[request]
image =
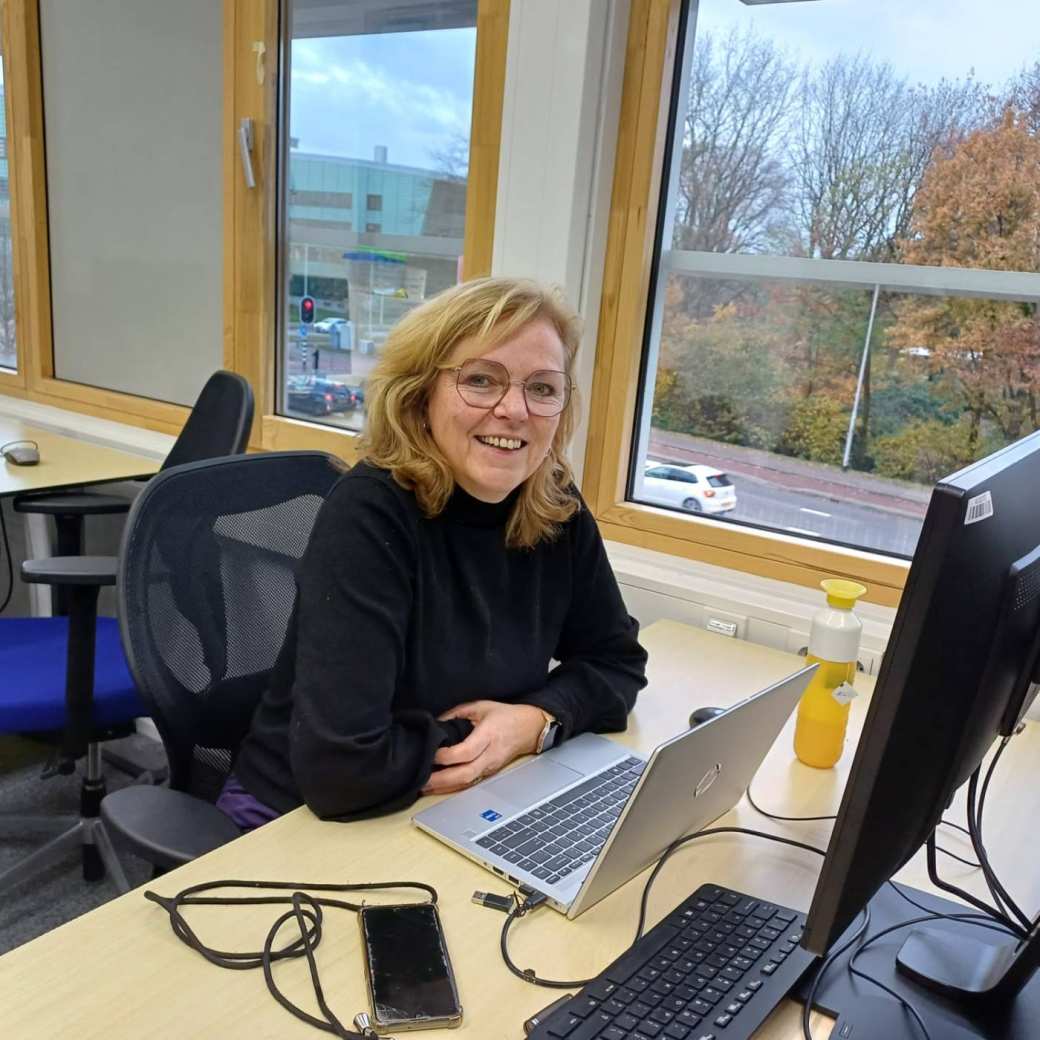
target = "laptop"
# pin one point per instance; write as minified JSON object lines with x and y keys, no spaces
{"x":579,"y":821}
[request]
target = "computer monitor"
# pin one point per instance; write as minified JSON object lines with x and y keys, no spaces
{"x":960,"y":670}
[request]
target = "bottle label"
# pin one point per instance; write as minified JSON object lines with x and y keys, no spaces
{"x":845,"y":693}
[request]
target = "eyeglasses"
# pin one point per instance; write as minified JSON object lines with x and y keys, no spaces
{"x":484,"y":384}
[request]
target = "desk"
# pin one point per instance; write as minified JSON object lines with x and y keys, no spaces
{"x":119,"y":972}
{"x":66,"y":462}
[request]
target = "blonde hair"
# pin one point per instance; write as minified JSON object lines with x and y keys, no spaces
{"x":396,"y":436}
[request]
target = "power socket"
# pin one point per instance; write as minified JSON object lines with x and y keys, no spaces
{"x":724,"y":623}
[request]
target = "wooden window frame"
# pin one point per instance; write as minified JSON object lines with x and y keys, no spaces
{"x":251,"y":46}
{"x":654,"y":32}
{"x":250,"y":214}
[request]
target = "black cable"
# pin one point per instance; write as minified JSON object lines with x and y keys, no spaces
{"x":991,"y":911}
{"x":810,"y":997}
{"x":999,"y":893}
{"x":811,"y":819}
{"x":7,"y":557}
{"x":306,"y":912}
{"x":528,"y":974}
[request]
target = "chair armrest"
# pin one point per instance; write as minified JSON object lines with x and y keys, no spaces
{"x":72,"y":503}
{"x":71,"y":570}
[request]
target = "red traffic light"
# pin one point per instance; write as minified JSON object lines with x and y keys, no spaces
{"x":307,"y":310}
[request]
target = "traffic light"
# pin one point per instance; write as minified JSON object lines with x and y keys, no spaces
{"x":307,"y":310}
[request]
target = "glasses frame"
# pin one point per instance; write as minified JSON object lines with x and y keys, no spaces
{"x":522,"y":383}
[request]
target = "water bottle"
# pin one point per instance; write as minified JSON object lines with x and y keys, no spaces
{"x":823,"y":712}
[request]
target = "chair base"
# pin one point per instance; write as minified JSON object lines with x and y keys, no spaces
{"x":99,"y":857}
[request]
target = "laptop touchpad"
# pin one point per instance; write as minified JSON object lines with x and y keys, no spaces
{"x":527,"y":785}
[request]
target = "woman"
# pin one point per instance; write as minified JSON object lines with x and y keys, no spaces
{"x":445,"y":572}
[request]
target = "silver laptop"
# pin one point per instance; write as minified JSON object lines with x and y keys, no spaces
{"x":580,"y":820}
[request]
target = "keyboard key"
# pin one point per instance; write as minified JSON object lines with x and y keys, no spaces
{"x":613,"y":1033}
{"x":745,"y":995}
{"x":565,"y":1026}
{"x":734,"y":1007}
{"x":723,"y":1020}
{"x":769,"y":967}
{"x":677,"y":1031}
{"x":755,"y":986}
{"x":649,"y":1028}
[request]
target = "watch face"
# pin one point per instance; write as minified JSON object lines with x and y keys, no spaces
{"x":550,"y":736}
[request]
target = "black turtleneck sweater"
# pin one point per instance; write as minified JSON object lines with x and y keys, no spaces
{"x":399,"y":618}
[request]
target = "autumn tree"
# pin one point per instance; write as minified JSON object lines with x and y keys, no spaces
{"x":980,"y":208}
{"x":862,"y":142}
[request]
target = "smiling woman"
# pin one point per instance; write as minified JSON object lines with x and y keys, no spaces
{"x":445,"y":573}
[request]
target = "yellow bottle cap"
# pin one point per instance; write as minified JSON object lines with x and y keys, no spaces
{"x":841,"y":593}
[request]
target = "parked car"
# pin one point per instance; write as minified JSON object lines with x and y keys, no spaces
{"x":343,"y":397}
{"x":328,"y":324}
{"x":304,"y":396}
{"x":697,"y":489}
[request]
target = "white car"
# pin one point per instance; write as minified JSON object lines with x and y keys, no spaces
{"x":328,"y":324}
{"x":697,"y":489}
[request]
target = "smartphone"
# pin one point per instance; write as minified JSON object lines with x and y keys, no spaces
{"x":410,"y":981}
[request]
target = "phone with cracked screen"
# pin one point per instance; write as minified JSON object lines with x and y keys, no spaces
{"x":410,"y":981}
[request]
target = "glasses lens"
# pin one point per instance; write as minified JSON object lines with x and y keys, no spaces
{"x":482,"y":383}
{"x":546,"y":392}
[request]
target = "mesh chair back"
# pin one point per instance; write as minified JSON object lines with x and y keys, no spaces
{"x":207,"y":583}
{"x":219,"y":422}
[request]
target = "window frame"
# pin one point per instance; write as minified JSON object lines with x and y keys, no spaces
{"x":279,"y":432}
{"x":651,"y":53}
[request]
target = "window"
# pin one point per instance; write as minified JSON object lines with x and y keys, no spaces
{"x":379,"y":101}
{"x":845,"y":278}
{"x":8,"y":344}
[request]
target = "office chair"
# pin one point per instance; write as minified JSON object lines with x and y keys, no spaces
{"x":218,"y":424}
{"x":206,"y":587}
{"x":67,"y":674}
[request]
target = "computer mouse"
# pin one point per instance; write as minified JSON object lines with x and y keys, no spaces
{"x":23,"y":453}
{"x":704,"y":715}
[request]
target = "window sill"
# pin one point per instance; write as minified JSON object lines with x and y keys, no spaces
{"x":764,"y":610}
{"x":88,"y":428}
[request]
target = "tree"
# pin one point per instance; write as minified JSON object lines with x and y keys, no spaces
{"x":1024,"y":97}
{"x":863,"y":141}
{"x":731,"y":178}
{"x":980,"y":208}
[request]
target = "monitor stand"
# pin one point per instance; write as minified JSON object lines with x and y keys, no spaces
{"x":865,"y":1012}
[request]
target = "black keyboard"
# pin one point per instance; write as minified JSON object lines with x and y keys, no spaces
{"x":713,"y":969}
{"x":567,"y":831}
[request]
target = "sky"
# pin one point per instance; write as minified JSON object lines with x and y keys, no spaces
{"x":925,"y":40}
{"x":412,"y":92}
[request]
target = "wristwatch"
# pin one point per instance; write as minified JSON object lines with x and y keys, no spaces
{"x":550,"y":735}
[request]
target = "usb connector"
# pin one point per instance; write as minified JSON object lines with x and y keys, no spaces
{"x":495,"y":902}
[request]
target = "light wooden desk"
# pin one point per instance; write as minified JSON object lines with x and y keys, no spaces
{"x":119,"y":972}
{"x":65,"y":462}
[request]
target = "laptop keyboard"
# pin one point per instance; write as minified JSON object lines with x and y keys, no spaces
{"x":564,"y":832}
{"x":713,"y":969}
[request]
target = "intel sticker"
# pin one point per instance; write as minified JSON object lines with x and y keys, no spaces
{"x":490,"y":815}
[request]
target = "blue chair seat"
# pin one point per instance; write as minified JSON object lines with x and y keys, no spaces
{"x":32,"y":675}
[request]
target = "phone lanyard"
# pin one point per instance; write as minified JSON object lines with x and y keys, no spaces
{"x":306,"y":911}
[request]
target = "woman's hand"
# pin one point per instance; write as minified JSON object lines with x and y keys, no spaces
{"x":501,"y":732}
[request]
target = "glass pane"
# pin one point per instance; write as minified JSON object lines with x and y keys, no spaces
{"x":380,"y":99}
{"x":816,"y":396}
{"x":8,"y":352}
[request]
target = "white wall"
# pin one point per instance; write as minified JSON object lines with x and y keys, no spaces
{"x":564,"y":74}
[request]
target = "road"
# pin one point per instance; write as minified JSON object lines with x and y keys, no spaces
{"x":802,"y":513}
{"x":784,"y":494}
